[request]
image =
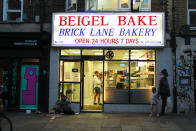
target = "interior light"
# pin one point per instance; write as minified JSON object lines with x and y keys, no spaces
{"x":98,"y":53}
{"x":76,"y":52}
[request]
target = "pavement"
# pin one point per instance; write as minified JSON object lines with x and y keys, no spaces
{"x":102,"y":122}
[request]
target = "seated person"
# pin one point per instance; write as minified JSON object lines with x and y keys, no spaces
{"x":63,"y":106}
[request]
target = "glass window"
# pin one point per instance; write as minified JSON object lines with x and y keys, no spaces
{"x":71,"y":90}
{"x":116,"y":79}
{"x":70,"y":71}
{"x":124,"y":4}
{"x":92,"y":52}
{"x":13,"y":10}
{"x":192,"y":18}
{"x":14,"y":4}
{"x":116,"y":54}
{"x":142,"y":55}
{"x":142,"y":5}
{"x":107,"y":4}
{"x":142,"y":80}
{"x":70,"y":52}
{"x":191,"y":12}
{"x":192,"y":4}
{"x":71,"y":5}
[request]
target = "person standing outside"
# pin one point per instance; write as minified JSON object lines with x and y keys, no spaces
{"x":97,"y":86}
{"x":164,"y":91}
{"x":154,"y":102}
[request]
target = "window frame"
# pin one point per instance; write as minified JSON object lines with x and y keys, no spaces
{"x":67,"y":6}
{"x":188,"y":16}
{"x":6,"y":11}
{"x":88,"y":7}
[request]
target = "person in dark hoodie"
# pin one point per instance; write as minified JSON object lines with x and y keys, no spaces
{"x":164,"y":91}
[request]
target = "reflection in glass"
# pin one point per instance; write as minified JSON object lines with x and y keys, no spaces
{"x":71,"y":90}
{"x":70,"y":52}
{"x":116,"y":79}
{"x":142,"y":54}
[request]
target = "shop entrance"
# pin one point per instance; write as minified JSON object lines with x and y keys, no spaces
{"x":93,"y":85}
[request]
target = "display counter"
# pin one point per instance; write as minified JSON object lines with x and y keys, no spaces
{"x":117,"y":95}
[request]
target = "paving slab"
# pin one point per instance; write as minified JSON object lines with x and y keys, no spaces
{"x":103,"y":122}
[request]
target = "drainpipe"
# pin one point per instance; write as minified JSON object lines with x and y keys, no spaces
{"x":42,"y":14}
{"x":173,"y":35}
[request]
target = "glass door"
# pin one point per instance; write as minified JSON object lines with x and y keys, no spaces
{"x":93,"y":85}
{"x":70,"y":80}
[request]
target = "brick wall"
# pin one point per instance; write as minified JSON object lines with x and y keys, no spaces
{"x":181,"y":16}
{"x":58,"y":5}
{"x":156,"y":6}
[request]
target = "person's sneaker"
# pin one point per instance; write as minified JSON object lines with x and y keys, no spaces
{"x":95,"y":103}
{"x":158,"y":115}
{"x":150,"y":115}
{"x":100,"y":104}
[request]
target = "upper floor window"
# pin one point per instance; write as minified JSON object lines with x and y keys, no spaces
{"x":71,"y":5}
{"x":142,"y":5}
{"x":13,"y":10}
{"x":107,"y":5}
{"x":118,"y":5}
{"x":191,"y":13}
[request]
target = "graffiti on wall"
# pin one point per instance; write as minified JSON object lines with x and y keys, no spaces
{"x":185,"y":89}
{"x":29,"y":87}
{"x":29,"y":94}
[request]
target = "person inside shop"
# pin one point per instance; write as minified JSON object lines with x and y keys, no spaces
{"x":164,"y":91}
{"x":97,"y":87}
{"x":120,"y":80}
{"x":154,"y":102}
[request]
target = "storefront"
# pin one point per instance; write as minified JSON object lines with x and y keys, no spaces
{"x":125,"y":49}
{"x":24,"y":70}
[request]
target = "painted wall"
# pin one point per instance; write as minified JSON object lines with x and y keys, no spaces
{"x":54,"y":75}
{"x":165,"y":60}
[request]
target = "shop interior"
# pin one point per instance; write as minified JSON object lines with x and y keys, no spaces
{"x":128,"y":77}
